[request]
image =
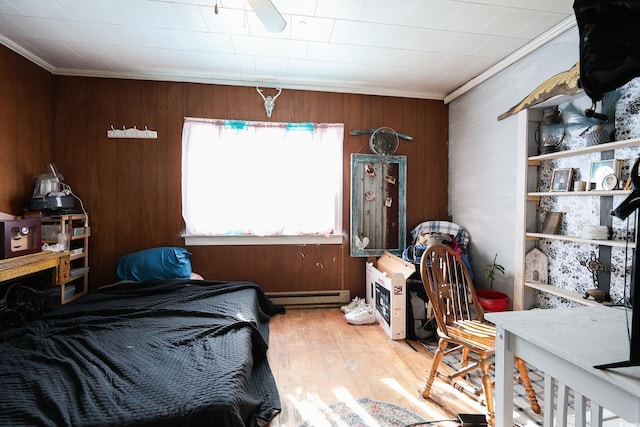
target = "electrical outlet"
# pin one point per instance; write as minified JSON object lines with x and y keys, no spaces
{"x":472,"y":420}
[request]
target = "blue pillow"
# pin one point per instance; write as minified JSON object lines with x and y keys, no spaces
{"x":155,"y":264}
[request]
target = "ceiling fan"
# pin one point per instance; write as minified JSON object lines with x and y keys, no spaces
{"x":269,"y":15}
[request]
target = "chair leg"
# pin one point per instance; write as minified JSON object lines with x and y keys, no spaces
{"x":437,"y":357}
{"x":524,"y":374}
{"x":487,"y":386}
{"x":465,"y":357}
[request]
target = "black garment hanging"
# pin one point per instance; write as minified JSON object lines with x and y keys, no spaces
{"x":609,"y":44}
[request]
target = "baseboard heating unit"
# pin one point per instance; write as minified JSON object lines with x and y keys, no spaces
{"x":311,"y":299}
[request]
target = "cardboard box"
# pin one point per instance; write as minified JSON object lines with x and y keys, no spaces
{"x":387,"y":291}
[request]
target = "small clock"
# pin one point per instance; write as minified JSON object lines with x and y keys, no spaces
{"x":609,"y":182}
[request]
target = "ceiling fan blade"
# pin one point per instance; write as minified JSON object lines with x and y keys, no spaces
{"x":269,"y":15}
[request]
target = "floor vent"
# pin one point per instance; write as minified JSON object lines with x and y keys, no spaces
{"x":310,"y":299}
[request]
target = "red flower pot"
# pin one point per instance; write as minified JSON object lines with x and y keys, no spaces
{"x":492,"y":300}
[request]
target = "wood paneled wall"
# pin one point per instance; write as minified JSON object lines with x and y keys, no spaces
{"x":25,"y":128}
{"x":131,"y":187}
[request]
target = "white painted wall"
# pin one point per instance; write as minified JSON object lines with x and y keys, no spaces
{"x":482,"y":155}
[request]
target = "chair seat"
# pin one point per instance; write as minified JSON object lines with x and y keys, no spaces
{"x":472,"y":333}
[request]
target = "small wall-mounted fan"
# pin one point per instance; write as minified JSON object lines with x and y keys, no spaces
{"x":384,"y":141}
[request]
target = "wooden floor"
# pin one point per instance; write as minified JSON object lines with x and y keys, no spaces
{"x":318,"y":359}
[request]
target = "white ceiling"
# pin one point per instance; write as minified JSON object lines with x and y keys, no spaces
{"x":415,"y":48}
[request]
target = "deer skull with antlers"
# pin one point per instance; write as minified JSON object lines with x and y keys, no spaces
{"x":269,"y":101}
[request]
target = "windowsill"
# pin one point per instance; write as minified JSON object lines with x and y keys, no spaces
{"x":191,"y":240}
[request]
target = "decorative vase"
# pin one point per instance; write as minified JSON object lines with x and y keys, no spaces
{"x":492,"y":300}
{"x":597,"y":135}
{"x":550,"y":132}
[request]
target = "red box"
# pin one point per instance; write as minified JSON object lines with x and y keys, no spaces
{"x":20,"y":237}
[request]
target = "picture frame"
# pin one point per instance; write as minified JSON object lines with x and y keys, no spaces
{"x":601,"y":169}
{"x":551,"y":224}
{"x":561,"y":179}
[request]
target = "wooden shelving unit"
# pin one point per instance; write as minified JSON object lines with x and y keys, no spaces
{"x":529,"y":197}
{"x":75,"y":228}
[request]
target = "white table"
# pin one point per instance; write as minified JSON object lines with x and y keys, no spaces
{"x":565,"y":344}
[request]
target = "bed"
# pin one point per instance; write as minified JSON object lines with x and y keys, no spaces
{"x":158,"y":353}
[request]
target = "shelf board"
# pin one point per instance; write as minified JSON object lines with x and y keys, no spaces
{"x":594,"y":193}
{"x":77,"y":295}
{"x":585,"y":150}
{"x":611,"y":243}
{"x":77,"y":256}
{"x":564,"y":293}
{"x":75,"y":273}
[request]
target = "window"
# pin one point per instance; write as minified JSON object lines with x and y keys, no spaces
{"x":264,"y":179}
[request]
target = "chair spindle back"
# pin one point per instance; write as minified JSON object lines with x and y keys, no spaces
{"x":449,"y":286}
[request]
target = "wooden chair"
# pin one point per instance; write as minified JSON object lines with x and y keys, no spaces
{"x":460,"y":320}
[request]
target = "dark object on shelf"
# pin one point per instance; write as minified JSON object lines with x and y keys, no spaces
{"x":52,"y":203}
{"x":597,"y":294}
{"x":609,"y":44}
{"x":591,"y":113}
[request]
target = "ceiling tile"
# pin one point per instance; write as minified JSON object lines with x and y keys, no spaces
{"x":51,"y":29}
{"x":310,"y":28}
{"x":498,"y":47}
{"x":89,"y":11}
{"x":39,"y":8}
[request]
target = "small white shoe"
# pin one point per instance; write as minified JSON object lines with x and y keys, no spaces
{"x":362,"y":315}
{"x":355,"y":303}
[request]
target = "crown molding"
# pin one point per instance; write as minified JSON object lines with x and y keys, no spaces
{"x":302,"y":84}
{"x":28,"y":55}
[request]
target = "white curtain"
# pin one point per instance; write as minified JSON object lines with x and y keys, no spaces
{"x":261,"y":178}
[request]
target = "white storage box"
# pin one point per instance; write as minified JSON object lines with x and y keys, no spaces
{"x":387,"y":291}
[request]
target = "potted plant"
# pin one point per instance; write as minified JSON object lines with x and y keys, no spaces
{"x":489,"y":299}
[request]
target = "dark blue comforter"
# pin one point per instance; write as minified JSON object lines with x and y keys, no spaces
{"x":167,"y":353}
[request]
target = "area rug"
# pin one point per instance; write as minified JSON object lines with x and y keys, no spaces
{"x":367,"y":413}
